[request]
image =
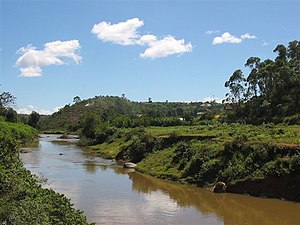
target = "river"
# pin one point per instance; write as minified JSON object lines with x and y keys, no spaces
{"x":109,"y":194}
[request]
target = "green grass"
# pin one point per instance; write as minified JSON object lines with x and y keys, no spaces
{"x":109,"y":150}
{"x":159,"y":164}
{"x":19,"y":131}
{"x":225,"y":133}
{"x":217,"y":135}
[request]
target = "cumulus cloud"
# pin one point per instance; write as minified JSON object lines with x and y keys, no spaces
{"x":31,"y":60}
{"x":229,"y":38}
{"x":165,"y":47}
{"x":226,"y":38}
{"x":126,"y":33}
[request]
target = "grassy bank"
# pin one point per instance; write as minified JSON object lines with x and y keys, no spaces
{"x":19,"y":131}
{"x":239,"y":155}
{"x":23,"y":200}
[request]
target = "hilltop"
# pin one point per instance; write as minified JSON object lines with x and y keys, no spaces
{"x":122,"y":112}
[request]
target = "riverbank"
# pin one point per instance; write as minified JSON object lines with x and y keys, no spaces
{"x":257,"y":160}
{"x":101,"y":187}
{"x":22,"y":198}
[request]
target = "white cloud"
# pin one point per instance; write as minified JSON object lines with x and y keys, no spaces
{"x":32,"y":71}
{"x":165,"y":47}
{"x":124,"y":33}
{"x":147,"y":39}
{"x":54,"y":53}
{"x":27,"y":110}
{"x":229,"y":38}
{"x":247,"y":36}
{"x":212,"y":32}
{"x":226,"y":38}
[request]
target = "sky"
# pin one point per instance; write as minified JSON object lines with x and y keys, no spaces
{"x":180,"y":50}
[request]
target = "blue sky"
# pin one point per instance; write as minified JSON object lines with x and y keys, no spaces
{"x":180,"y":50}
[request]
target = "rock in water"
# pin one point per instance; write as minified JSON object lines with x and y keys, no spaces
{"x":129,"y":165}
{"x":220,"y":187}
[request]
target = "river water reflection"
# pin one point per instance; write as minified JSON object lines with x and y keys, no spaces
{"x":109,"y":194}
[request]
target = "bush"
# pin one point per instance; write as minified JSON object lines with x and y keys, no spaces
{"x":183,"y":154}
{"x":141,"y":145}
{"x":103,"y":132}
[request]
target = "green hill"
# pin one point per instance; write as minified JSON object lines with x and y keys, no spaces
{"x":122,"y":112}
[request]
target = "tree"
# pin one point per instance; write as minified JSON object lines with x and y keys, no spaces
{"x":88,"y":123}
{"x":11,"y":115}
{"x":6,"y":99}
{"x":253,"y":78}
{"x":236,"y":85}
{"x":273,"y":87}
{"x":76,"y":99}
{"x":33,"y":119}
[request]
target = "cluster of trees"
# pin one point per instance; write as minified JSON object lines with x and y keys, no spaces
{"x":93,"y":130}
{"x":271,"y":91}
{"x":7,"y":100}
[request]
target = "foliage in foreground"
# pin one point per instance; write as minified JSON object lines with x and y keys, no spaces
{"x":23,"y":200}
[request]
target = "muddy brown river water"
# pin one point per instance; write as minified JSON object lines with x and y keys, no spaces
{"x":109,"y":194}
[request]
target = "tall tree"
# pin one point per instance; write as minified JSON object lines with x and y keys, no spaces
{"x":273,"y":86}
{"x":236,"y":84}
{"x":33,"y":119}
{"x":253,"y":78}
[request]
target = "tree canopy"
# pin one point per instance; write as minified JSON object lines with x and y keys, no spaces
{"x":6,"y":99}
{"x":271,"y":91}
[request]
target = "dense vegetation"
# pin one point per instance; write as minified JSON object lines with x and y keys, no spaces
{"x":271,"y":91}
{"x":204,"y":154}
{"x":121,"y":112}
{"x":202,"y":149}
{"x":23,"y":200}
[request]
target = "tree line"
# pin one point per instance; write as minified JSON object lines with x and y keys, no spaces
{"x":271,"y":90}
